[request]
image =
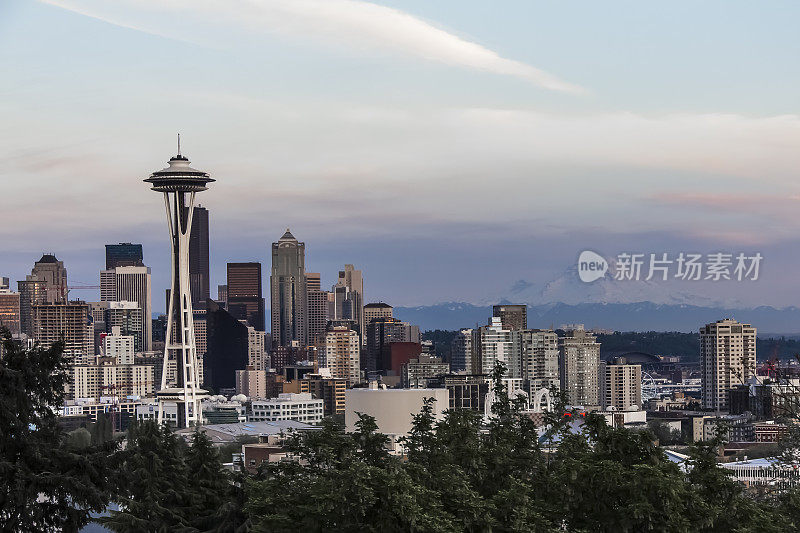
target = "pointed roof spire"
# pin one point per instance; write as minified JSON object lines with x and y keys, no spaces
{"x":288,"y":236}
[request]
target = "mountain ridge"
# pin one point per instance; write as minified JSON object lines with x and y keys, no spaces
{"x":635,"y":316}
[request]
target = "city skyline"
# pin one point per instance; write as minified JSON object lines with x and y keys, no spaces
{"x":628,"y":131}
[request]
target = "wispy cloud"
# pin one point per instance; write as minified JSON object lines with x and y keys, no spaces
{"x":361,"y":25}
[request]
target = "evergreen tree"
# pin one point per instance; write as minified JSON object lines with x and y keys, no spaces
{"x":48,"y":482}
{"x":208,"y":484}
{"x":155,"y":494}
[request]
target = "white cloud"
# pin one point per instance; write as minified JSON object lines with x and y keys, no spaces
{"x":358,"y":24}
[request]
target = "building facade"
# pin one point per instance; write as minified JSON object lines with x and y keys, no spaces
{"x":462,"y":352}
{"x":318,"y":307}
{"x":288,"y":292}
{"x":301,"y":407}
{"x":579,"y":365}
{"x":341,"y":347}
{"x":10,"y":311}
{"x":620,"y":385}
{"x":495,"y":344}
{"x":512,"y":316}
{"x":727,"y":359}
{"x":348,"y":297}
{"x":244,"y":298}
{"x":123,"y":254}
{"x":67,"y":321}
{"x":47,"y":283}
{"x":538,"y":358}
{"x":377,"y":310}
{"x":131,"y":284}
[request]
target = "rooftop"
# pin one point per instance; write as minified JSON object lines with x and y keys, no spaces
{"x":229,"y":432}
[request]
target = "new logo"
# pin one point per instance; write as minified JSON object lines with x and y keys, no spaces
{"x":591,"y":266}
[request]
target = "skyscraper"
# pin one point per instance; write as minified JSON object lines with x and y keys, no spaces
{"x":538,"y":357}
{"x":179,"y":183}
{"x":123,"y":254}
{"x":512,"y":316}
{"x":727,"y":359}
{"x":132,"y":284}
{"x":620,"y":384}
{"x":341,"y":347}
{"x":317,"y":307}
{"x":579,"y":361}
{"x":199,"y":259}
{"x":245,"y":301}
{"x":495,"y":345}
{"x":349,"y":297}
{"x":47,"y":283}
{"x":288,"y":293}
{"x":227,"y":348}
{"x":129,"y":318}
{"x":461,"y":352}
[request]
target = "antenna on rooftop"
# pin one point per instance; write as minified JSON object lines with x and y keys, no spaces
{"x":179,"y":144}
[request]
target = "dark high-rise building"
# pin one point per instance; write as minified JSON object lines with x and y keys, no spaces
{"x":381,"y":332}
{"x":199,"y":259}
{"x":124,"y":254}
{"x":244,"y":293}
{"x":513,"y":317}
{"x":288,"y":291}
{"x":226,"y":350}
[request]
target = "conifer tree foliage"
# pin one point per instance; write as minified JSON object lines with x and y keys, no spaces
{"x":48,"y":481}
{"x":168,"y":486}
{"x":463,"y":475}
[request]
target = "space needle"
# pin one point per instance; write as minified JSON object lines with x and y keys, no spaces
{"x":179,"y":182}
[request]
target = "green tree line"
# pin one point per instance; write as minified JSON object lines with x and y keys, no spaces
{"x":458,"y":474}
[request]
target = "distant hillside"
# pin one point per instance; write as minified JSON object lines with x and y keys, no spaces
{"x":685,"y":345}
{"x":643,"y":316}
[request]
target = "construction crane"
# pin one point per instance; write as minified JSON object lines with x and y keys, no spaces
{"x":81,"y":288}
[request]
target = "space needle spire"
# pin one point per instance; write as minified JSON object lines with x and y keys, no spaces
{"x":179,"y":183}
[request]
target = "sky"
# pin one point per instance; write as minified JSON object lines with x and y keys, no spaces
{"x":452,"y":150}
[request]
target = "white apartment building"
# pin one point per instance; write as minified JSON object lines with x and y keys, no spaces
{"x":539,"y":358}
{"x":120,"y":347}
{"x":300,"y":407}
{"x":727,"y":359}
{"x":257,"y":355}
{"x":495,"y":345}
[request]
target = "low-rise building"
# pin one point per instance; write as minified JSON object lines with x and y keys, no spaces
{"x":417,"y":373}
{"x":300,"y":407}
{"x":120,"y":410}
{"x":770,"y":473}
{"x":769,"y":431}
{"x":392,"y":408}
{"x":466,"y":391}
